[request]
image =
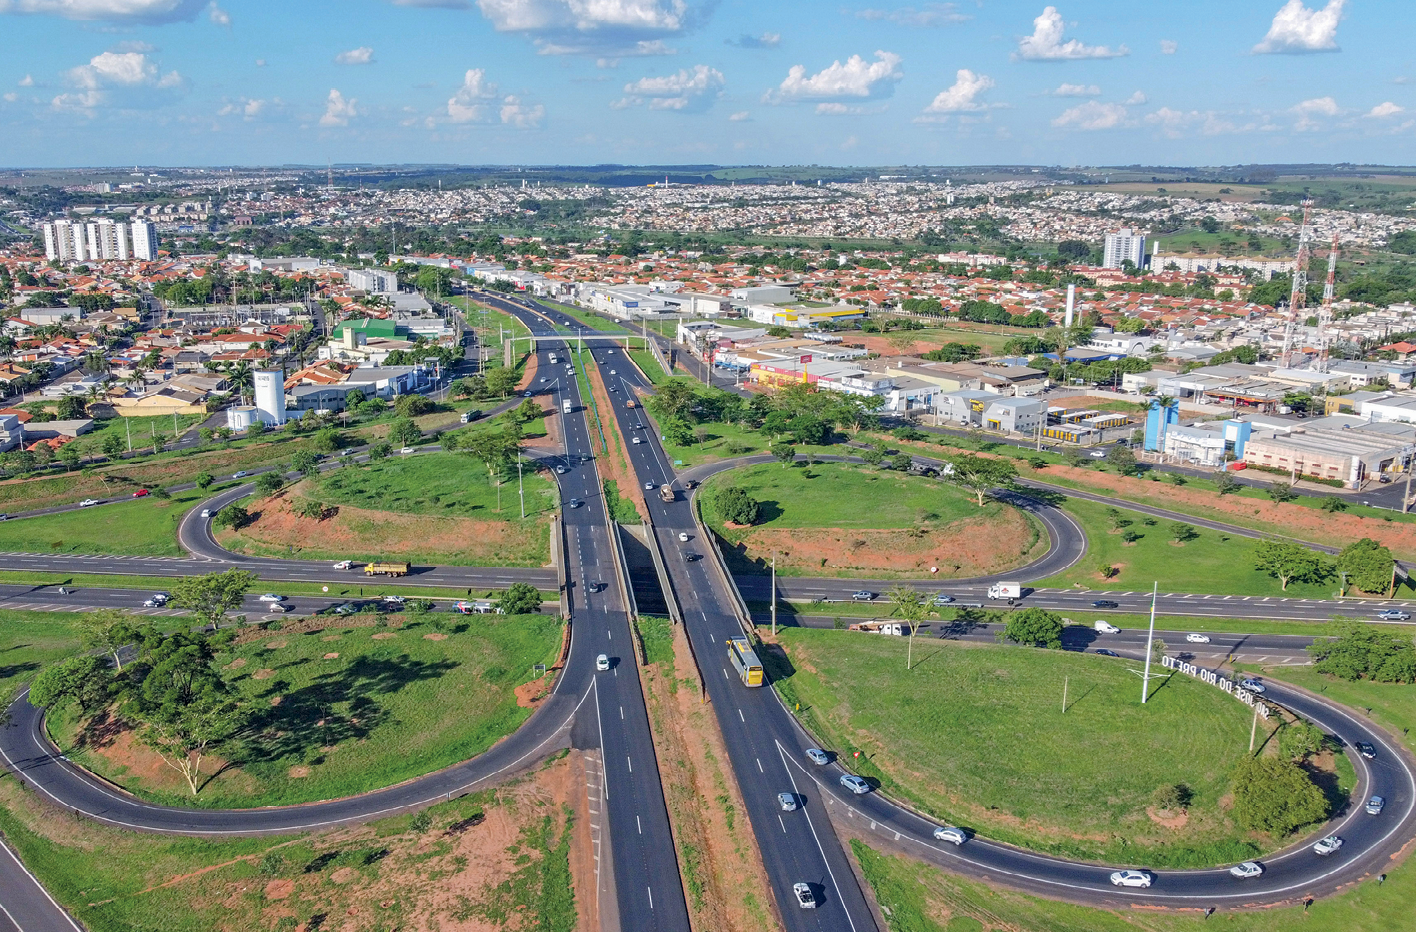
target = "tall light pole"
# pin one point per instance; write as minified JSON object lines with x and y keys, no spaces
{"x":520,"y":485}
{"x":773,"y":594}
{"x":1150,"y":639}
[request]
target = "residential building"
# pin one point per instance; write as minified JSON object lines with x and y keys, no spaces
{"x":375,"y":281}
{"x":107,"y":241}
{"x":1122,"y":245}
{"x":144,"y":241}
{"x":64,"y":241}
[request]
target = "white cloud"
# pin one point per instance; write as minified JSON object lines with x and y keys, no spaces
{"x":857,"y":79}
{"x":1045,"y":43}
{"x":338,"y":110}
{"x":469,"y":104}
{"x":522,"y":116}
{"x":363,"y":55}
{"x":1178,"y":124}
{"x":217,"y":15}
{"x":931,"y":14}
{"x":740,"y":117}
{"x":1297,"y":29}
{"x":1168,"y":46}
{"x":562,"y":27}
{"x":11,"y":97}
{"x":245,"y":107}
{"x":1321,"y":106}
{"x":1135,"y":99}
{"x":119,"y":11}
{"x":1077,"y":90}
{"x":691,"y":89}
{"x":836,"y":109}
{"x":123,"y":80}
{"x":1092,"y":115}
{"x":27,"y":81}
{"x":1385,"y":110}
{"x":959,"y":97}
{"x":768,"y":40}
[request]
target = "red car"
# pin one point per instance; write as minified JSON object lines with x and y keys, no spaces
{"x":140,"y":493}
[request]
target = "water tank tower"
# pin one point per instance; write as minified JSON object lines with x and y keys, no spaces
{"x":270,"y":395}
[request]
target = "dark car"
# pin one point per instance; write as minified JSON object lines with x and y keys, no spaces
{"x":1106,"y":653}
{"x":1366,"y":750}
{"x":1105,"y":603}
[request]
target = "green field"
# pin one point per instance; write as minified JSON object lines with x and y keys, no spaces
{"x":29,"y":641}
{"x":976,"y":735}
{"x":1213,"y":563}
{"x":395,"y":870}
{"x":142,"y":527}
{"x":922,"y":898}
{"x":648,"y":364}
{"x":447,"y":484}
{"x":340,"y":583}
{"x":385,"y":709}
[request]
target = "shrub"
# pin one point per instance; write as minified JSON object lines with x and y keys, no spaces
{"x":736,"y":506}
{"x":1275,"y":796}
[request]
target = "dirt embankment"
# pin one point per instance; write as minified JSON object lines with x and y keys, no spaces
{"x":971,"y":547}
{"x":616,"y":465}
{"x":358,"y":533}
{"x":725,"y":882}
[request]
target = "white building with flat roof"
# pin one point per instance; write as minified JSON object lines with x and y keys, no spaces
{"x":1122,"y":245}
{"x":144,"y":241}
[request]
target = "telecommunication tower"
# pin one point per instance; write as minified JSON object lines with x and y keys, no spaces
{"x":1298,"y":296}
{"x":1325,"y":313}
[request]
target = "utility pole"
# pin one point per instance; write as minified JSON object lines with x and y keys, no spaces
{"x":520,"y":486}
{"x":1254,"y":728}
{"x":1150,"y":639}
{"x":128,"y":425}
{"x":1406,"y":495}
{"x":773,"y":594}
{"x":1064,"y":693}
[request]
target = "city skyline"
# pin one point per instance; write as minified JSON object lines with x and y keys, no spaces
{"x":171,"y":82}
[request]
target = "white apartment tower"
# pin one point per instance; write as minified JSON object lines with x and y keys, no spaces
{"x":144,"y":241}
{"x":107,"y":241}
{"x":1122,"y":245}
{"x":64,"y":241}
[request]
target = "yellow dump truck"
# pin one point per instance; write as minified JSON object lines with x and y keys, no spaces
{"x":386,"y":569}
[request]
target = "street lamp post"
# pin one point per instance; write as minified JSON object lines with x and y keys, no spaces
{"x":520,"y":485}
{"x":1150,"y":640}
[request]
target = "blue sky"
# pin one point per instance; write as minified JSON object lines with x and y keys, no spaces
{"x":113,"y":82}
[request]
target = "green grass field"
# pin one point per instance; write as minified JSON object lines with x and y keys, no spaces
{"x":340,"y":583}
{"x":649,"y":364}
{"x":1212,"y":563}
{"x":384,"y":709}
{"x":29,"y":641}
{"x":922,"y":898}
{"x":141,"y":527}
{"x":446,"y":484}
{"x":394,"y":870}
{"x":977,"y":735}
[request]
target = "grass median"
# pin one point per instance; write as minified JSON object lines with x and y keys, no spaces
{"x":978,"y":735}
{"x":340,"y":706}
{"x":140,"y":527}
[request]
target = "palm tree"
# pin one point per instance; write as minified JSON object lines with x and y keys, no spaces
{"x":241,"y":377}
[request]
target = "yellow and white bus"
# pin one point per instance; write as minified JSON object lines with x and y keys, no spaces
{"x":745,"y":661}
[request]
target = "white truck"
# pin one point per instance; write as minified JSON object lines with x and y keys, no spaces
{"x":565,"y":406}
{"x":1006,"y":590}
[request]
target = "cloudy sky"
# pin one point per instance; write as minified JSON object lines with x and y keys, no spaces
{"x":112,"y":82}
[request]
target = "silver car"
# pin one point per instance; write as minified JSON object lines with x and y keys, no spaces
{"x":1375,"y":805}
{"x":818,"y":757}
{"x":1246,"y":870}
{"x":787,"y":801}
{"x":855,"y":784}
{"x":955,"y":836}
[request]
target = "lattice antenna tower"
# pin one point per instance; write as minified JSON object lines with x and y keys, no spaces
{"x":1325,"y":313}
{"x":1298,"y":296}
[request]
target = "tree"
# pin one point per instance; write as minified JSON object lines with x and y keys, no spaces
{"x":1182,"y":533}
{"x":233,"y":516}
{"x":108,"y":630}
{"x":1123,"y":459}
{"x":70,"y":407}
{"x":1034,"y":626}
{"x":305,"y":463}
{"x":210,"y":597}
{"x":980,"y":475}
{"x":1367,"y":565}
{"x":204,"y":480}
{"x":674,"y":398}
{"x":1361,"y":651}
{"x":902,"y":461}
{"x":328,"y":440}
{"x":183,"y":734}
{"x":412,"y":405}
{"x":1281,"y":492}
{"x":1332,"y":503}
{"x":501,"y":381}
{"x":1289,"y":562}
{"x":404,"y":433}
{"x":82,"y":680}
{"x":785,"y":454}
{"x":268,"y":483}
{"x":520,"y":599}
{"x":529,"y":411}
{"x":1225,"y":483}
{"x":735,"y":506}
{"x":1275,"y":796}
{"x":380,"y":451}
{"x":806,"y":428}
{"x":70,"y":454}
{"x":677,"y":431}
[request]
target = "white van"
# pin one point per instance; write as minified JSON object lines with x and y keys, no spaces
{"x":1105,"y":627}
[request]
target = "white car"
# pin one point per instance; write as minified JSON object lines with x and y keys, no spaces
{"x":394,"y":599}
{"x":787,"y":801}
{"x":1131,"y":879}
{"x":406,"y":450}
{"x":1327,"y":845}
{"x":648,"y":486}
{"x":271,"y":597}
{"x":855,"y":784}
{"x":1197,"y":638}
{"x":636,"y":440}
{"x":818,"y":757}
{"x":612,"y":372}
{"x":158,"y":600}
{"x":1375,"y":805}
{"x":87,"y":502}
{"x":240,"y":474}
{"x":344,"y":565}
{"x":804,"y":897}
{"x":1252,"y":685}
{"x":683,"y":535}
{"x":602,"y":662}
{"x":206,"y":512}
{"x":955,"y":836}
{"x":1097,"y":454}
{"x":1246,"y":870}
